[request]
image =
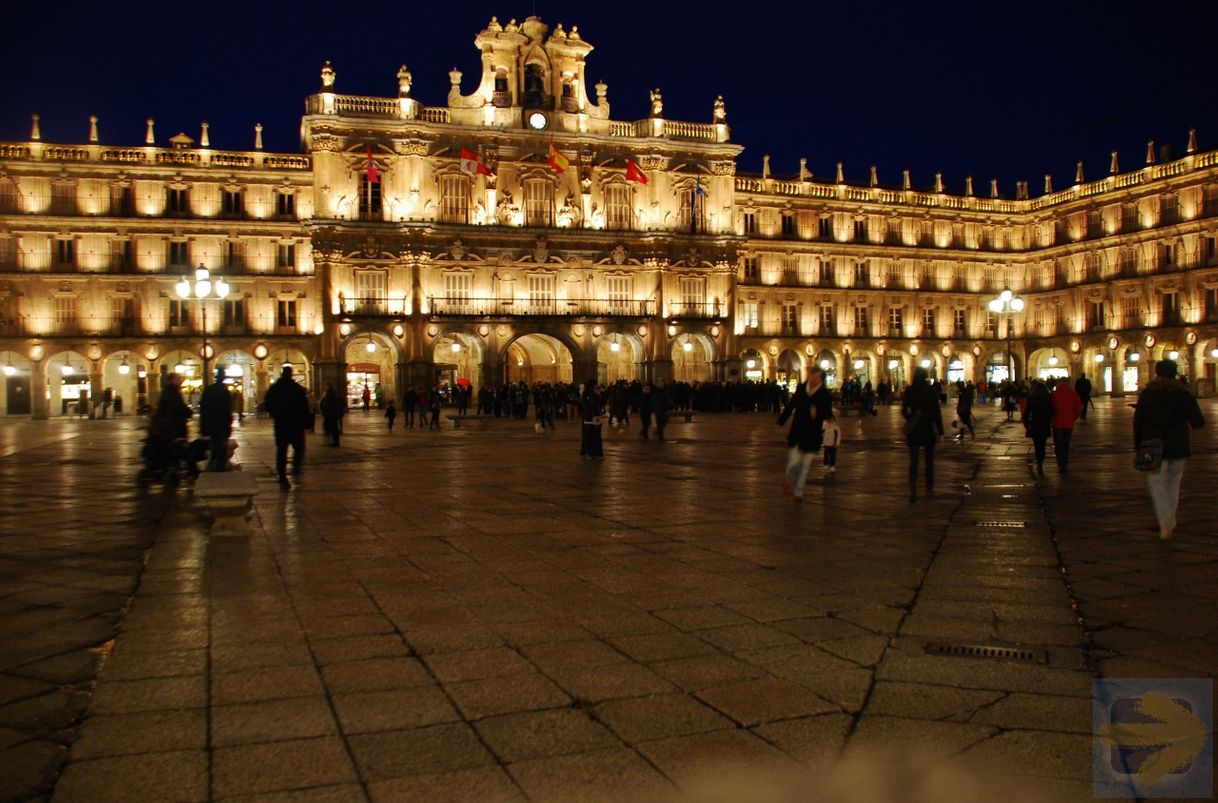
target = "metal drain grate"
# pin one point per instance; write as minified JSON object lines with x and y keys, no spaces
{"x":1003,"y":485}
{"x":988,"y":651}
{"x":1006,"y":525}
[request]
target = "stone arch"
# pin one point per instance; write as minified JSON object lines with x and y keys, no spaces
{"x":693,"y":355}
{"x":375,"y":369}
{"x":789,"y":367}
{"x":68,"y":384}
{"x":458,"y":357}
{"x":532,"y":357}
{"x":868,"y":370}
{"x":624,"y":361}
{"x":1048,"y":362}
{"x":754,"y":365}
{"x":829,"y":362}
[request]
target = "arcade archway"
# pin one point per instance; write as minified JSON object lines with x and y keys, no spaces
{"x":371,"y":359}
{"x":536,"y":358}
{"x":692,"y":355}
{"x":457,"y":357}
{"x":789,"y":370}
{"x":617,"y":358}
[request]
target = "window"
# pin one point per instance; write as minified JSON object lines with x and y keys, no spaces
{"x":231,"y":203}
{"x":788,"y":224}
{"x":285,"y":204}
{"x":8,"y":196}
{"x":1211,"y":303}
{"x":234,"y":254}
{"x":617,"y":207}
{"x":369,"y":198}
{"x":538,"y":202}
{"x":454,"y":199}
{"x":178,"y":255}
{"x":928,"y":321}
{"x":824,"y":228}
{"x":893,"y":275}
{"x":991,"y":324}
{"x":1128,"y":262}
{"x":960,"y":321}
{"x":751,"y":271}
{"x":790,"y":317}
{"x":457,"y":285}
{"x":862,"y":278}
{"x":285,"y":317}
{"x":860,"y":320}
{"x":541,"y":291}
{"x":65,"y":310}
{"x":371,"y":292}
{"x":827,"y":278}
{"x":122,"y":314}
{"x":177,"y":312}
{"x":750,"y":222}
{"x":693,"y":294}
{"x":1171,"y":309}
{"x":620,"y":292}
{"x":828,"y":324}
{"x":896,"y":324}
{"x":1095,"y":315}
{"x":1129,"y":216}
{"x":692,"y":210}
{"x":860,"y":230}
{"x":177,"y":203}
{"x":1169,"y":255}
{"x":1131,"y":313}
{"x":750,"y":313}
{"x":65,"y":252}
{"x":1211,"y":250}
{"x":122,"y":255}
{"x":285,"y":256}
{"x":234,"y":312}
{"x":63,"y":198}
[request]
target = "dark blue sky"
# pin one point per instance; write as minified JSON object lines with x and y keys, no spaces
{"x":1004,"y":90}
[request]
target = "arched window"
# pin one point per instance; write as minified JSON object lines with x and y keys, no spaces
{"x":534,"y":86}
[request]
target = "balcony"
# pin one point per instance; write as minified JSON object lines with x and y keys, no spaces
{"x":556,"y":308}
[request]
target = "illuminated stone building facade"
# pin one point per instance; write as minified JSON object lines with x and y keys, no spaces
{"x":520,"y":232}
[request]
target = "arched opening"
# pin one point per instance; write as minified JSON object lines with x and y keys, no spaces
{"x":828,"y":363}
{"x":457,"y":357}
{"x":996,"y":369}
{"x":754,"y":363}
{"x":692,"y":353}
{"x":956,"y":370}
{"x":862,"y":369}
{"x":790,"y":369}
{"x":1050,"y":363}
{"x":241,"y":376}
{"x":17,"y":398}
{"x":188,"y":366}
{"x":1207,"y":377}
{"x":896,"y":372}
{"x":1134,"y":366}
{"x":68,"y":383}
{"x":371,"y":359}
{"x":534,"y":86}
{"x":536,"y":358}
{"x":124,"y":383}
{"x":618,"y":358}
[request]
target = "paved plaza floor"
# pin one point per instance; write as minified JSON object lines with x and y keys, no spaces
{"x":482,"y":615}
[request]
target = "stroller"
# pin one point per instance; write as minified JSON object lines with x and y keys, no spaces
{"x":167,"y":461}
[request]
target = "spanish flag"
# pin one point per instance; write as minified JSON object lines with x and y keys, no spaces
{"x":558,"y":162}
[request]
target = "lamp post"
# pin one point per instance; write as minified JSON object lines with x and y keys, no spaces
{"x":1007,"y":303}
{"x":202,"y":288}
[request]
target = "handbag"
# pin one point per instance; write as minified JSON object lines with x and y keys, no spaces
{"x":911,"y":424}
{"x":1149,"y":455}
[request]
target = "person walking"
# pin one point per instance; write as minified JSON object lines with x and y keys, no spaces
{"x":832,"y":439}
{"x":1165,"y":410}
{"x":923,"y":429}
{"x":288,"y":405}
{"x":645,"y":410}
{"x":409,"y":401}
{"x":1038,"y":422}
{"x":366,"y":397}
{"x":1082,"y":386}
{"x":1066,"y":409}
{"x":591,"y":445}
{"x":964,"y":410}
{"x":661,"y":404}
{"x":391,"y":414}
{"x":333,"y":407}
{"x":807,"y":409}
{"x":216,"y":421}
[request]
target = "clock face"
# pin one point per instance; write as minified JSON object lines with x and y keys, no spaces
{"x":537,"y":120}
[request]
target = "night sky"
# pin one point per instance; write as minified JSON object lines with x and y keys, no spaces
{"x":996,"y":90}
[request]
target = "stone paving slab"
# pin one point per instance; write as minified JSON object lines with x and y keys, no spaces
{"x":481,"y":615}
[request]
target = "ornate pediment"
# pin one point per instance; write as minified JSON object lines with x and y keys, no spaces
{"x":457,"y":251}
{"x":619,"y":256}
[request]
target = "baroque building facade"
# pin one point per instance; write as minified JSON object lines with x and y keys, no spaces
{"x":519,"y":232}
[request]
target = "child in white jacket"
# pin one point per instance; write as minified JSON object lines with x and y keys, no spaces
{"x":833,"y":439}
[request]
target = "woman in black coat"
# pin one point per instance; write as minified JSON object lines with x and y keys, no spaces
{"x":1166,"y":410}
{"x":807,"y":409}
{"x":591,"y":409}
{"x":923,"y":429}
{"x":1038,"y":421}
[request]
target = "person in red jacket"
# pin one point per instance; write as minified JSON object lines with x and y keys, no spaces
{"x":1067,"y":407}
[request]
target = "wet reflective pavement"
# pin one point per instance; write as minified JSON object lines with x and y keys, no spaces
{"x":482,"y":615}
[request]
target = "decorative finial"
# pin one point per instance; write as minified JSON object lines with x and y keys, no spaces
{"x":602,"y":90}
{"x":1113,"y":166}
{"x":1150,"y":151}
{"x":150,"y":137}
{"x":841,"y":177}
{"x":938,"y":182}
{"x":968,"y":186}
{"x":405,"y":79}
{"x":1192,"y":140}
{"x":454,"y":77}
{"x":93,"y":128}
{"x":765,"y":166}
{"x":657,"y":103}
{"x":204,"y":136}
{"x":1078,"y":173}
{"x":875,"y":177}
{"x":993,"y":188}
{"x":1048,"y":183}
{"x":574,"y":33}
{"x":720,"y":110}
{"x":494,"y":25}
{"x":1021,"y":190}
{"x":905,"y":180}
{"x":257,"y":136}
{"x":35,"y":130}
{"x":327,"y":77}
{"x":803,"y":169}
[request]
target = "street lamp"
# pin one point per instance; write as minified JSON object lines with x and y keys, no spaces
{"x":1007,"y":303}
{"x":202,"y":288}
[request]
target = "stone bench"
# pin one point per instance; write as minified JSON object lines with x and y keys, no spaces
{"x":688,"y":415}
{"x":458,"y":420}
{"x":228,"y":495}
{"x":846,"y":409}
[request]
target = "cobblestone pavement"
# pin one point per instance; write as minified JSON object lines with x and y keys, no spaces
{"x":481,"y":615}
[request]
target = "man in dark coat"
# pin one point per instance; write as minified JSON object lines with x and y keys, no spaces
{"x":1082,"y":386}
{"x":1166,"y":409}
{"x":923,"y":428}
{"x":661,"y":403}
{"x":807,"y":410}
{"x":288,"y":404}
{"x":216,"y":420}
{"x":333,"y":408}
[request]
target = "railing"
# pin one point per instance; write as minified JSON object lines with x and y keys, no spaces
{"x":361,"y":105}
{"x":434,"y":114}
{"x":570,"y":307}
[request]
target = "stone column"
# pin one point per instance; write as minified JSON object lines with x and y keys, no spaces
{"x":260,"y":385}
{"x":323,"y":372}
{"x":95,"y":394}
{"x":38,"y":390}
